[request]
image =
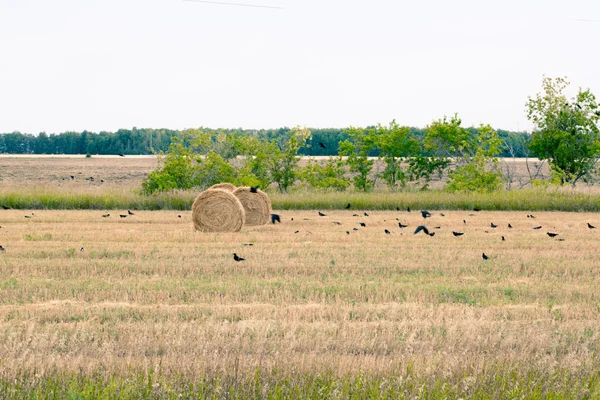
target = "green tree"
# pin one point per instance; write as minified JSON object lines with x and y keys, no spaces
{"x":473,"y":152}
{"x":283,"y":161}
{"x":395,"y":143}
{"x":567,"y":133}
{"x":330,"y":175}
{"x":361,"y":141}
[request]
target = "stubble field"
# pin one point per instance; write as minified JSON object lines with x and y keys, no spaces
{"x":312,"y":312}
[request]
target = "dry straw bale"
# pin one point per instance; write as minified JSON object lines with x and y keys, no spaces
{"x":257,"y":205}
{"x":225,"y":185}
{"x":218,"y":210}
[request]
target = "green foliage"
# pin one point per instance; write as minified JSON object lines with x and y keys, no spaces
{"x":255,"y":170}
{"x":283,"y":160}
{"x":326,"y":176}
{"x":357,"y":148}
{"x":175,"y":170}
{"x":395,"y":143}
{"x":474,"y":152}
{"x":567,"y":133}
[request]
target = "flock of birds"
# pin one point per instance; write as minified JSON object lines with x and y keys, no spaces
{"x":421,"y":228}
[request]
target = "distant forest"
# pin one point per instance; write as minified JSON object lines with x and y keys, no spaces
{"x":148,"y":141}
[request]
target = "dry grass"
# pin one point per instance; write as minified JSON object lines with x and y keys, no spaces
{"x":149,"y":292}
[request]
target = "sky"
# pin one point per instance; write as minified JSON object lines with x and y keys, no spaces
{"x":109,"y":64}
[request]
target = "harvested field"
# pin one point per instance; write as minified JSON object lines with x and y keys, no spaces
{"x":79,"y":292}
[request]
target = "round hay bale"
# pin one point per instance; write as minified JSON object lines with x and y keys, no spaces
{"x":225,"y":185}
{"x":257,"y":205}
{"x":218,"y":210}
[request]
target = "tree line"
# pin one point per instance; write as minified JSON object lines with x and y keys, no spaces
{"x":148,"y":141}
{"x":567,"y":137}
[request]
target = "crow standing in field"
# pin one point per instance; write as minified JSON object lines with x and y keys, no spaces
{"x":493,"y":225}
{"x":122,"y":216}
{"x":121,"y":155}
{"x":425,"y":214}
{"x":363,"y":224}
{"x":237,"y":258}
{"x":366,"y":215}
{"x":105,"y":215}
{"x":400,"y":225}
{"x":321,"y":214}
{"x":387,"y":232}
{"x":591,"y":226}
{"x":179,"y":216}
{"x":130,"y":213}
{"x":81,"y":250}
{"x":476,"y":209}
{"x":457,"y":233}
{"x":253,"y":189}
{"x":27,"y":216}
{"x":510,"y":226}
{"x":275,"y":217}
{"x":503,"y":238}
{"x":7,"y":208}
{"x":407,"y":209}
{"x":484,"y":256}
{"x":348,"y":206}
{"x":538,"y":227}
{"x":72,"y":177}
{"x":2,"y":249}
{"x":552,"y":234}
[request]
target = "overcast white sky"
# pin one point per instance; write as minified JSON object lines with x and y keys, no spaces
{"x":110,"y":64}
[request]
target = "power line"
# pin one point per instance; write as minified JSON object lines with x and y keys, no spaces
{"x":234,"y":4}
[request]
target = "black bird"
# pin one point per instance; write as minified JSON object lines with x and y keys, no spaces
{"x":493,"y":225}
{"x":2,"y":249}
{"x":366,"y":215}
{"x":476,"y":209}
{"x":397,"y":208}
{"x":458,"y":233}
{"x":27,"y":216}
{"x":425,"y":213}
{"x":122,"y":216}
{"x":531,"y":216}
{"x":401,"y":225}
{"x":321,"y":145}
{"x":437,"y":227}
{"x":464,"y":221}
{"x":355,"y":229}
{"x":407,"y":209}
{"x":129,"y":212}
{"x":237,"y":258}
{"x":363,"y":224}
{"x":386,"y":231}
{"x":321,"y":214}
{"x":105,"y":215}
{"x":510,"y":226}
{"x":81,"y":250}
{"x":551,"y":234}
{"x":179,"y":216}
{"x":348,"y":206}
{"x":247,"y":244}
{"x":72,"y":177}
{"x":121,"y":155}
{"x":296,"y":231}
{"x":422,"y":228}
{"x":5,"y":208}
{"x":275,"y":217}
{"x":355,"y":215}
{"x":538,"y":227}
{"x":503,"y":238}
{"x":253,"y":189}
{"x":484,"y":256}
{"x":337,"y":223}
{"x":347,"y":232}
{"x":442,"y":215}
{"x":101,"y":180}
{"x":591,"y":226}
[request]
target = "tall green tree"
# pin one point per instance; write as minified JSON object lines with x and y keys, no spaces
{"x":567,"y":133}
{"x":283,"y":162}
{"x":361,"y":141}
{"x":395,"y":143}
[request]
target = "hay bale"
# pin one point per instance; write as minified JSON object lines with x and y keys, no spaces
{"x":257,"y":205}
{"x":225,"y":185}
{"x":218,"y":210}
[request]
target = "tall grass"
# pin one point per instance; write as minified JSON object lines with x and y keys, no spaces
{"x":499,"y":382}
{"x":517,"y":200}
